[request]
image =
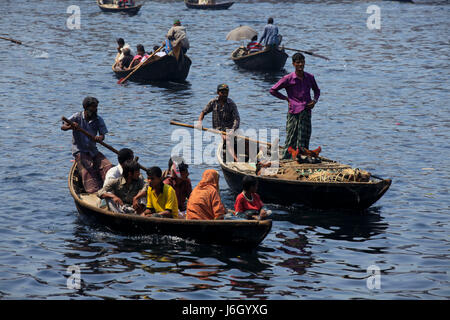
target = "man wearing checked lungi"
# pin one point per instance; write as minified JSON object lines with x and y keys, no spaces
{"x":298,"y":86}
{"x":92,"y":164}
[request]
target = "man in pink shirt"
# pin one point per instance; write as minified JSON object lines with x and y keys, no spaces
{"x":298,"y":86}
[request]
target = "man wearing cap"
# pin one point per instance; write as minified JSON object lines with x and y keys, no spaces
{"x":177,"y":35}
{"x":225,"y":115}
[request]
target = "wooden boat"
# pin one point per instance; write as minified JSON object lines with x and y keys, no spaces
{"x":324,"y":195}
{"x":168,"y":68}
{"x":267,"y":59}
{"x":242,"y":233}
{"x":216,"y":6}
{"x":111,"y":6}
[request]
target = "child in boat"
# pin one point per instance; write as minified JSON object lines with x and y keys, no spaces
{"x":254,"y":45}
{"x":141,"y":56}
{"x":248,"y":204}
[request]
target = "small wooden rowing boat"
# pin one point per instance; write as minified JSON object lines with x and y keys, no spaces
{"x":242,"y":233}
{"x":267,"y":59}
{"x":166,"y":68}
{"x":216,"y":6}
{"x":111,"y":6}
{"x":276,"y":189}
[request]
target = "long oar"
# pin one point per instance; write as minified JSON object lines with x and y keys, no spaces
{"x":93,"y":139}
{"x":12,"y":40}
{"x":308,"y":52}
{"x":139,"y":65}
{"x":219,"y":132}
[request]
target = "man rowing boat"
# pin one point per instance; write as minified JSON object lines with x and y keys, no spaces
{"x":92,"y":163}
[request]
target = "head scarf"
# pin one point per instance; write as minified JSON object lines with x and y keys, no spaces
{"x":204,"y":202}
{"x":210,"y":177}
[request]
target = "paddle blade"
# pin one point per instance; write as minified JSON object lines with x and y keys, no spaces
{"x":121,"y":80}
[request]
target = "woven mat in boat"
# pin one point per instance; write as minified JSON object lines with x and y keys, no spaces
{"x":327,"y":171}
{"x":244,"y":167}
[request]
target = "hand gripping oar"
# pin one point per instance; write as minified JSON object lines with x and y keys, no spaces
{"x":172,"y":122}
{"x":93,"y":139}
{"x":308,"y":52}
{"x":139,"y":65}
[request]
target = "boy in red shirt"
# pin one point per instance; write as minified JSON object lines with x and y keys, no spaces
{"x":248,"y":204}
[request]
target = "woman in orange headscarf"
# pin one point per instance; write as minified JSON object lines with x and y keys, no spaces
{"x":204,"y":202}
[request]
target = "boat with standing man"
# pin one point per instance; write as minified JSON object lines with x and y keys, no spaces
{"x":171,"y":67}
{"x":326,"y":184}
{"x":207,"y":6}
{"x":241,"y":233}
{"x":113,"y":6}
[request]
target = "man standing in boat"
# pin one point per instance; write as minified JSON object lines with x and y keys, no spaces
{"x":298,"y":86}
{"x":270,"y":36}
{"x":225,"y":116}
{"x":93,"y":165}
{"x":177,"y":35}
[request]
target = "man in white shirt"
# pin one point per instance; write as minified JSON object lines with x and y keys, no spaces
{"x":116,"y":172}
{"x":121,"y":45}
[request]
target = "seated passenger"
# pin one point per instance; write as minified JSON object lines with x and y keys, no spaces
{"x":254,"y":45}
{"x":126,"y":60}
{"x":141,"y":56}
{"x":121,"y":46}
{"x":248,"y":204}
{"x":179,"y":181}
{"x":116,"y":172}
{"x":161,"y":198}
{"x":125,"y":3}
{"x":121,"y":193}
{"x":204,"y":202}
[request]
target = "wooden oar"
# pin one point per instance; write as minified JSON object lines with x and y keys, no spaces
{"x":12,"y":40}
{"x":23,"y":44}
{"x":93,"y":139}
{"x":219,"y":132}
{"x":139,"y":65}
{"x":308,"y":52}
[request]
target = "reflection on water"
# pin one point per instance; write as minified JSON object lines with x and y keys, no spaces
{"x":339,"y":225}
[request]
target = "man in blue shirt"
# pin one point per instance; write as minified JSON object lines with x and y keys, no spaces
{"x":270,"y":34}
{"x":92,"y":164}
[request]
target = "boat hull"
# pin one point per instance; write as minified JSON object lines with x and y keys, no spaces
{"x":267,"y":60}
{"x":322,"y":195}
{"x":107,"y":7}
{"x":218,"y":6}
{"x":168,"y":68}
{"x":242,"y":233}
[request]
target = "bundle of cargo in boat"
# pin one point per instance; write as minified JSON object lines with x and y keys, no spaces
{"x":345,"y":175}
